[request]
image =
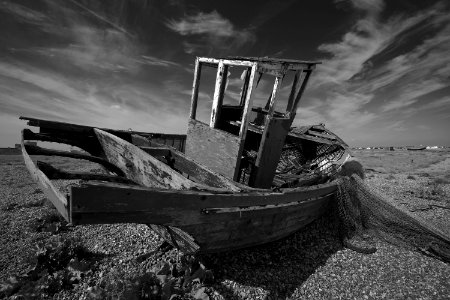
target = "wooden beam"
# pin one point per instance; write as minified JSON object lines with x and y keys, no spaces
{"x":55,"y":173}
{"x":195,"y":87}
{"x":156,"y":151}
{"x":50,"y":191}
{"x":293,"y":112}
{"x":228,"y":62}
{"x":248,"y":105}
{"x":293,"y":91}
{"x":87,"y":143}
{"x":272,"y":97}
{"x":115,"y":203}
{"x":218,"y":94}
{"x":245,"y":87}
{"x":326,"y":136}
{"x":272,"y":141}
{"x":138,"y":165}
{"x":36,"y":150}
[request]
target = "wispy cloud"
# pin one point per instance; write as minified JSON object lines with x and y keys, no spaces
{"x":210,"y":30}
{"x":372,"y":73}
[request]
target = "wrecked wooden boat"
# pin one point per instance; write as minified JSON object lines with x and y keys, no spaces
{"x":244,"y":179}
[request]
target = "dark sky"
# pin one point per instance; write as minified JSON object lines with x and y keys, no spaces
{"x":384,"y":77}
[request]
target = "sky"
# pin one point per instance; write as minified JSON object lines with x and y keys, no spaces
{"x":383,"y":79}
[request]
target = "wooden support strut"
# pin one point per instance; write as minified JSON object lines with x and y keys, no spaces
{"x":299,"y":95}
{"x":249,"y":80}
{"x":293,"y":91}
{"x":222,"y":71}
{"x":195,"y":87}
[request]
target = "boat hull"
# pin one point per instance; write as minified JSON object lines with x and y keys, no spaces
{"x":214,"y":222}
{"x":211,"y":215}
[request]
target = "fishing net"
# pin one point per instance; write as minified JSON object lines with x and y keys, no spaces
{"x":364,"y":213}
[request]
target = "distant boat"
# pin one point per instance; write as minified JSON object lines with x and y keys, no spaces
{"x":416,"y":148}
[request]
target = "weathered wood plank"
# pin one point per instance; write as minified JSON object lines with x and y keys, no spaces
{"x":174,"y":208}
{"x":36,"y":150}
{"x":213,"y":148}
{"x":238,"y":228}
{"x":176,"y":237}
{"x":54,"y":127}
{"x":201,"y":173}
{"x":138,"y":165}
{"x":293,"y":111}
{"x":50,"y":191}
{"x":157,"y":151}
{"x":221,"y":78}
{"x":86,"y":143}
{"x":195,"y":88}
{"x":269,"y":152}
{"x":295,"y":137}
{"x":272,"y":141}
{"x":55,"y":173}
{"x":240,"y":231}
{"x":293,"y":91}
{"x":322,"y":135}
{"x":229,"y":62}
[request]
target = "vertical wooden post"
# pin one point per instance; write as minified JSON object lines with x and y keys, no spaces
{"x":270,"y":147}
{"x":293,"y":111}
{"x":248,"y":88}
{"x":245,"y":86}
{"x":195,"y":86}
{"x":247,"y":105}
{"x":222,"y":71}
{"x":272,"y":98}
{"x":293,"y":91}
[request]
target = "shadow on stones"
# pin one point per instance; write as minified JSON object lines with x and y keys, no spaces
{"x":279,"y":267}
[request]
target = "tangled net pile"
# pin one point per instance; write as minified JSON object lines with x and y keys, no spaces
{"x":364,"y":213}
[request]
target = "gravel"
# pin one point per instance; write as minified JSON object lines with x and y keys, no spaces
{"x":310,"y":264}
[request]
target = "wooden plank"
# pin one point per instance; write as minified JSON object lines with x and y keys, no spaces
{"x":248,"y":106}
{"x":243,"y":99}
{"x":36,"y":150}
{"x":176,"y":237}
{"x":54,"y":173}
{"x":215,"y":149}
{"x":86,"y":143}
{"x":293,"y":91}
{"x":245,"y":121}
{"x":293,"y":112}
{"x":240,"y":231}
{"x":83,"y":129}
{"x":295,"y":137}
{"x":218,"y":94}
{"x":195,"y":170}
{"x":120,"y":203}
{"x":229,"y":62}
{"x":138,"y":165}
{"x":195,"y":88}
{"x":273,"y":140}
{"x":326,"y":136}
{"x":201,"y":173}
{"x":50,"y":191}
{"x":156,"y":151}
